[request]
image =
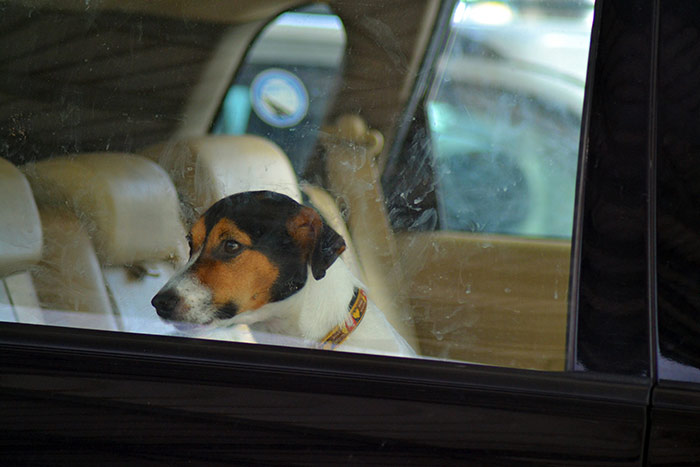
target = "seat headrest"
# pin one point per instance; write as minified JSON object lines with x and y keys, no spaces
{"x":127,"y":203}
{"x":209,"y":168}
{"x":20,"y":227}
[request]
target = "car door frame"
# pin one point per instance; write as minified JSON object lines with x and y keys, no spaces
{"x":89,"y":395}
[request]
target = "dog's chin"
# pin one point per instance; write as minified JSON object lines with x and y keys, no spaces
{"x":188,"y":327}
{"x":211,"y":322}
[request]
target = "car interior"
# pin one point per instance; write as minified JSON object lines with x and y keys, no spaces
{"x":112,"y":150}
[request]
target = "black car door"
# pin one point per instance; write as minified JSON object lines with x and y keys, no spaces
{"x":675,"y":433}
{"x":82,"y":396}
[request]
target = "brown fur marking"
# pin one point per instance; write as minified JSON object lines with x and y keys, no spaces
{"x":198,"y":234}
{"x":226,"y":229}
{"x":305,"y":228}
{"x":245,"y":280}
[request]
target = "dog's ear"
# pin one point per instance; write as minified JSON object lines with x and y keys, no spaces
{"x":327,"y":249}
{"x":320,"y":244}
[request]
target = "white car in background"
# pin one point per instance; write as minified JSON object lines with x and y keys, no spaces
{"x":505,"y":113}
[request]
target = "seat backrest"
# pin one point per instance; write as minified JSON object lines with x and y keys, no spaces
{"x":127,"y":207}
{"x":206,"y":169}
{"x":68,"y":278}
{"x":20,"y":247}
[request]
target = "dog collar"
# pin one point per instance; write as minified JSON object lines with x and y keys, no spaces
{"x":358,"y":306}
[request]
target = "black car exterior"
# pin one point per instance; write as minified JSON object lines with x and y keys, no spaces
{"x":630,"y":397}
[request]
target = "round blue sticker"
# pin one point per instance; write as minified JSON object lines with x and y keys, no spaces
{"x":279,"y":98}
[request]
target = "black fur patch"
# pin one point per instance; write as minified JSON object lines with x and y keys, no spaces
{"x":227,"y":311}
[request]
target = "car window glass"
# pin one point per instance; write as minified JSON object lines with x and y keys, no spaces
{"x":441,"y":223}
{"x":503,"y":116}
{"x":487,"y":172}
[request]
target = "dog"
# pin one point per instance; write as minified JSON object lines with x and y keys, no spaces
{"x":263,"y":260}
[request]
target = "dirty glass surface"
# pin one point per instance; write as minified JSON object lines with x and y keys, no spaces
{"x":121,"y":125}
{"x":503,"y":116}
{"x":481,"y":188}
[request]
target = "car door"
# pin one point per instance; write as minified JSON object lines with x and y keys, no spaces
{"x":549,"y":364}
{"x":675,"y":424}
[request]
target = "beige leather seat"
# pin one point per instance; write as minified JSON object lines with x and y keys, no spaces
{"x":20,"y":247}
{"x":209,"y":168}
{"x":114,"y":233}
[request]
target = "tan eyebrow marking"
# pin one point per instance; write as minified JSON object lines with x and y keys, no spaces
{"x":198,"y":234}
{"x":225,"y":229}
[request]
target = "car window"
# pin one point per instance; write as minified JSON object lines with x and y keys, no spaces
{"x":503,"y":116}
{"x":175,"y":172}
{"x":486,"y":170}
{"x":289,"y":76}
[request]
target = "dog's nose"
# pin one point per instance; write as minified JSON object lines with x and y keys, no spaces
{"x":165,"y":302}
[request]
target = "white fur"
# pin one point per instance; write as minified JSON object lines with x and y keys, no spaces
{"x":307,"y":316}
{"x":196,"y":302}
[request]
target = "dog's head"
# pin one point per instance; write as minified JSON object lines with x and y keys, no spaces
{"x":247,"y":250}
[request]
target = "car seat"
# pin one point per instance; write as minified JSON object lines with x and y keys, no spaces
{"x":113,"y":225}
{"x":20,"y":247}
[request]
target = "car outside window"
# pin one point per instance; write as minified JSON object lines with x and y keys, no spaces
{"x":503,"y":117}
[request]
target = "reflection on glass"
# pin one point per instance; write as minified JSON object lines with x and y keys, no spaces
{"x":504,"y":114}
{"x":481,"y":192}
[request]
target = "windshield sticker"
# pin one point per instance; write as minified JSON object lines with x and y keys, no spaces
{"x":279,"y":98}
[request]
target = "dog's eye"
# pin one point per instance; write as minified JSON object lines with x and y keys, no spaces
{"x":231,"y":246}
